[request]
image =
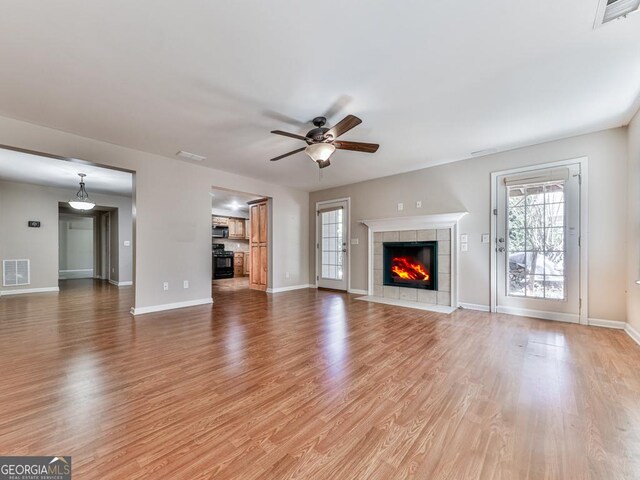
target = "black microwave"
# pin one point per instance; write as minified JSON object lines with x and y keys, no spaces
{"x":219,"y":231}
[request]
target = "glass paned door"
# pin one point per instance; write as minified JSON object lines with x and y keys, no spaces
{"x":332,"y":246}
{"x":536,"y":240}
{"x":538,"y":243}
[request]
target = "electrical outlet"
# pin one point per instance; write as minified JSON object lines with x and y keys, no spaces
{"x":185,"y":284}
{"x":419,"y":204}
{"x":464,"y":247}
{"x":165,"y":286}
{"x":485,"y":238}
{"x":400,"y":207}
{"x":355,"y":241}
{"x":127,"y":243}
{"x":113,"y":270}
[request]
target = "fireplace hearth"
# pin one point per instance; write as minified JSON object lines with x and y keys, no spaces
{"x":410,"y":264}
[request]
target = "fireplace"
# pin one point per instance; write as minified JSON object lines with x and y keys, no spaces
{"x":410,"y":264}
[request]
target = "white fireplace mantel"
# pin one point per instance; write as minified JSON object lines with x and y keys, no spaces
{"x":416,"y":222}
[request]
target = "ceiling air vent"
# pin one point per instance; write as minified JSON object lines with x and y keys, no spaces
{"x":609,"y":10}
{"x":15,"y":272}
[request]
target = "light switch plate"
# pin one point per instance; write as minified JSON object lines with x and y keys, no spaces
{"x":464,"y":238}
{"x":419,"y":204}
{"x":400,"y":207}
{"x":485,"y":238}
{"x":355,"y":241}
{"x":464,"y":247}
{"x":127,"y":243}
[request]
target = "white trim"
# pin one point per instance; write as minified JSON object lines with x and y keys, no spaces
{"x":170,"y":306}
{"x":475,"y":306}
{"x":544,"y":315}
{"x":598,"y":322}
{"x":584,"y":229}
{"x":29,"y":290}
{"x":324,"y":202}
{"x":633,"y":333}
{"x":430,"y":307}
{"x":416,"y":222}
{"x":357,"y":291}
{"x":288,"y":289}
{"x":120,"y":284}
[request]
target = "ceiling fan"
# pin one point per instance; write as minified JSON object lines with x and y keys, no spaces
{"x":322,"y":141}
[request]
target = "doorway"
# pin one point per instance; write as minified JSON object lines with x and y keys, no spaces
{"x":231,"y":235}
{"x":537,"y":256}
{"x":332,"y":240}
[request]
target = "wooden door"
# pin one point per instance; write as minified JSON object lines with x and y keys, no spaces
{"x":259,"y":246}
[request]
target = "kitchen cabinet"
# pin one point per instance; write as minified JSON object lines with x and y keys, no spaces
{"x":236,"y":228}
{"x":238,"y":264}
{"x":259,"y":244}
{"x":219,"y":221}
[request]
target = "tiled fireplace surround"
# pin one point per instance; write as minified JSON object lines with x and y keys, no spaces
{"x":442,"y":296}
{"x":442,"y":228}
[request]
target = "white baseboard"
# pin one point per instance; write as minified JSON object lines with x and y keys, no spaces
{"x":358,"y":292}
{"x":523,"y":312}
{"x":475,"y":306}
{"x":288,"y":289}
{"x":120,"y":284}
{"x":633,"y":333}
{"x":598,"y":322}
{"x":170,"y":306}
{"x":29,"y":290}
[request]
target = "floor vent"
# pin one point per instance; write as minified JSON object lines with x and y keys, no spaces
{"x":16,"y":272}
{"x":609,"y":10}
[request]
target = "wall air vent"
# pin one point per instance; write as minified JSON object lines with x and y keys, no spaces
{"x":15,"y":272}
{"x":609,"y":10}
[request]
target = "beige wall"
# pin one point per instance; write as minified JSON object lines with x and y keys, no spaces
{"x":633,"y":243}
{"x":173,"y":214}
{"x":21,"y":202}
{"x":465,"y":186}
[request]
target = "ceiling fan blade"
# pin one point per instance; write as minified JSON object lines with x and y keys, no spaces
{"x":324,"y":163}
{"x":287,"y":154}
{"x":357,"y":146}
{"x":341,"y":102}
{"x":287,"y":134}
{"x":343,"y":126}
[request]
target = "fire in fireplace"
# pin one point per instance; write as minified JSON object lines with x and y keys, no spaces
{"x":410,"y":264}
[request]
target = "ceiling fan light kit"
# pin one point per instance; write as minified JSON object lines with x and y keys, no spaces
{"x":82,"y":201}
{"x":321,"y":141}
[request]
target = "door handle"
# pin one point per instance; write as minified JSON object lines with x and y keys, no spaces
{"x":500,"y":249}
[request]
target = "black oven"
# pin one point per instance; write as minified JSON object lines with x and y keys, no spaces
{"x":222,"y":261}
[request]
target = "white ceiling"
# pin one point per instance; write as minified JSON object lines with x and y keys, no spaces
{"x":432,"y":81}
{"x":50,"y":172}
{"x":226,"y":200}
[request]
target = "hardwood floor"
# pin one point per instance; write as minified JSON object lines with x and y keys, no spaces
{"x":312,"y":385}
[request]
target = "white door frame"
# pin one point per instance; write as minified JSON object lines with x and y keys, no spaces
{"x":584,"y":220}
{"x":348,"y":241}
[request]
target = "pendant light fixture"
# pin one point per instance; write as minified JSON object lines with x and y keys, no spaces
{"x":82,"y":201}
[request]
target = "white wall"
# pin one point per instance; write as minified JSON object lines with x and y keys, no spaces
{"x":465,"y":186}
{"x":20,"y":202}
{"x":633,"y":243}
{"x":173,"y":214}
{"x":75,"y":246}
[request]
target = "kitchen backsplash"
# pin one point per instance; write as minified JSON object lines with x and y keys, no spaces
{"x":233,"y":245}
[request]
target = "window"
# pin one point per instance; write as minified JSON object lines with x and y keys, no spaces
{"x":536,"y":241}
{"x":332,"y":240}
